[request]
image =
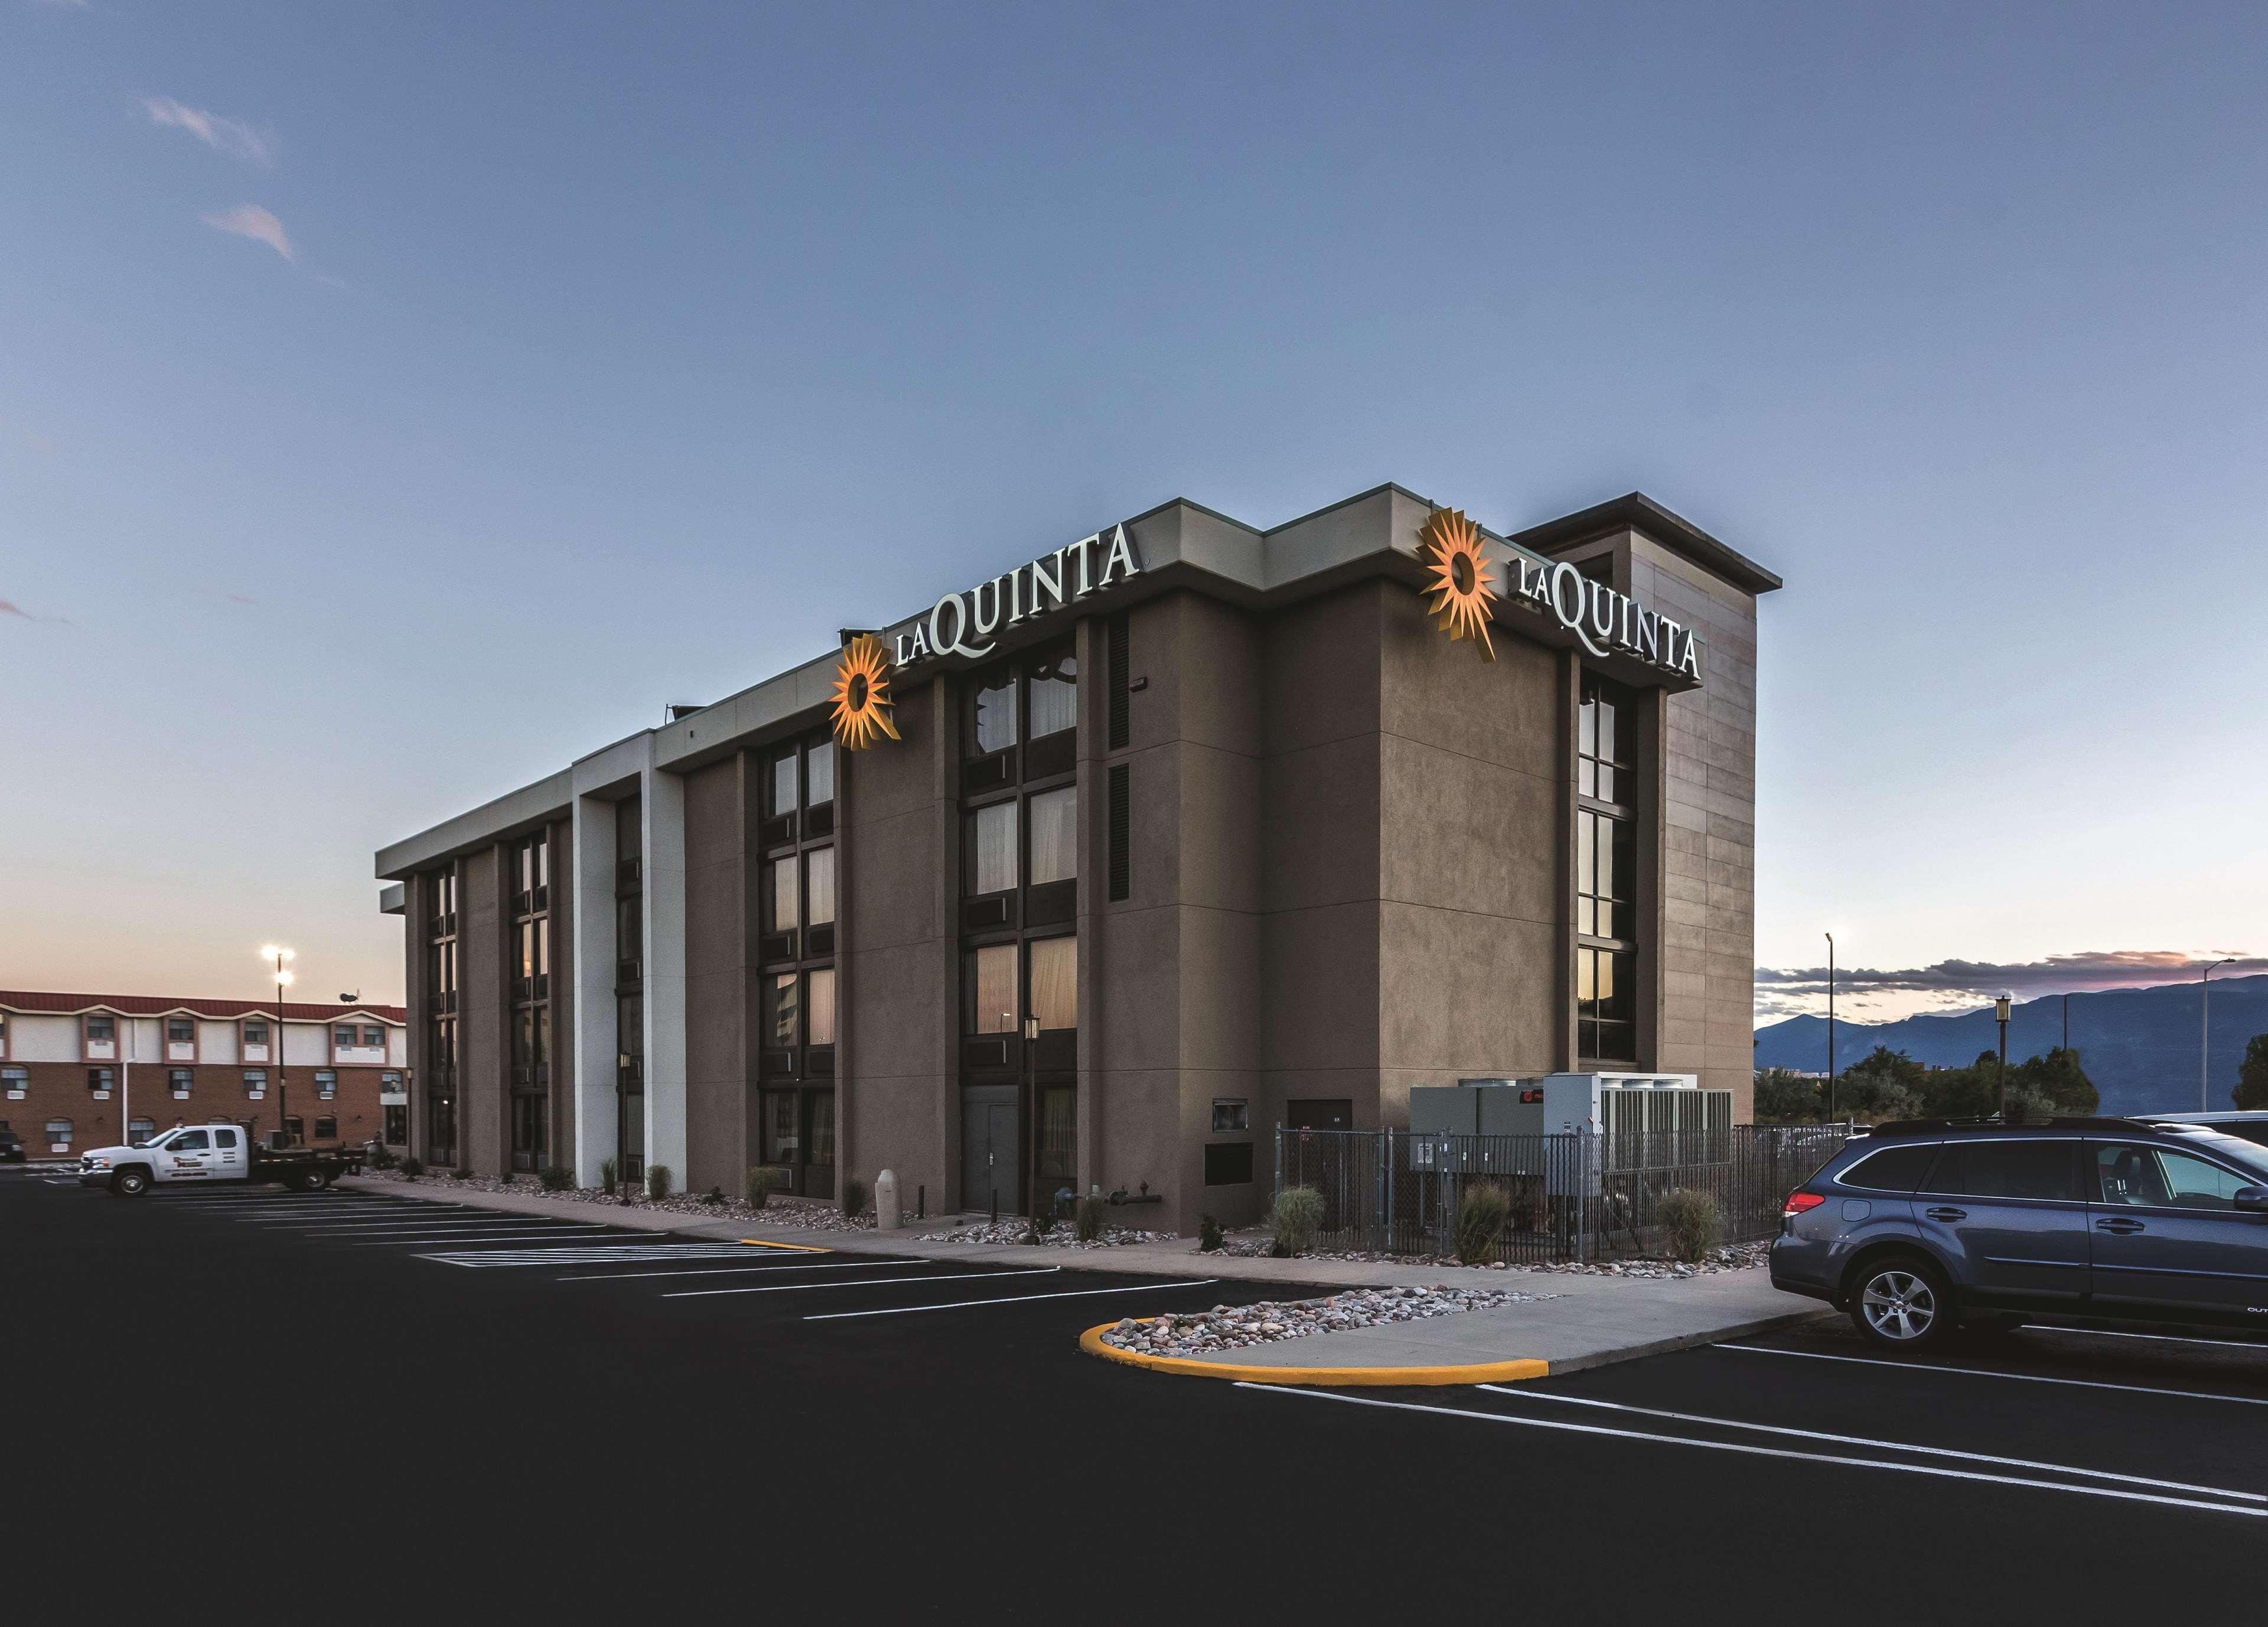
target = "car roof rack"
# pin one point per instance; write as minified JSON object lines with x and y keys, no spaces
{"x":2076,"y":1122}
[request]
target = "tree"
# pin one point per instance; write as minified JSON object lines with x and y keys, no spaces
{"x":1969,"y":1092}
{"x":1783,"y":1097}
{"x":2057,"y":1081}
{"x":2251,"y":1092}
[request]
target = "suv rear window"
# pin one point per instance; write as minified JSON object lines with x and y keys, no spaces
{"x":1894,"y":1169}
{"x":2007,"y":1169}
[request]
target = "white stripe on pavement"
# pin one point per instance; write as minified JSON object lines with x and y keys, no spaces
{"x":1986,"y":1372}
{"x":339,"y":1226}
{"x":876,"y":1281}
{"x":963,"y":1304}
{"x":846,"y":1265}
{"x":1861,"y":1440}
{"x":2105,"y":1333}
{"x":1761,"y":1452}
{"x":606,"y":1252}
{"x":471,"y":1239}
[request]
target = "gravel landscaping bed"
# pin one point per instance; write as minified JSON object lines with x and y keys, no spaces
{"x":781,"y":1211}
{"x":1059,"y":1236}
{"x":1740,"y":1257}
{"x":1237,"y":1328}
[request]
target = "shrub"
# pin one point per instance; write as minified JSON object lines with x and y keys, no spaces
{"x":854,"y":1199}
{"x":1209,"y":1237}
{"x":761,"y":1180}
{"x":381,"y":1157}
{"x":1036,"y":1229}
{"x":1692,"y":1220}
{"x":714,"y":1197}
{"x":1088,"y":1219}
{"x":656,"y":1181}
{"x":411,"y":1169}
{"x":610,"y":1172}
{"x":555,"y":1178}
{"x":463,"y":1172}
{"x":508,"y":1178}
{"x":1481,"y":1214}
{"x":1297,"y":1216}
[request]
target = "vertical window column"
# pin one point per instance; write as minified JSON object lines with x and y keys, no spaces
{"x":1605,"y":877}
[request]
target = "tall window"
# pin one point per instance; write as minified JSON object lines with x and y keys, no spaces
{"x":791,"y":996}
{"x":440,"y":891}
{"x":630,"y":982}
{"x":1606,"y":876}
{"x":530,"y":1081}
{"x":1021,"y":875}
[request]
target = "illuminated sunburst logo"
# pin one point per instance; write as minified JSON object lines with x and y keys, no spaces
{"x":1459,"y":576}
{"x":862,"y":694}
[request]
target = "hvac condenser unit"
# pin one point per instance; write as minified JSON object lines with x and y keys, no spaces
{"x":1628,"y":1120}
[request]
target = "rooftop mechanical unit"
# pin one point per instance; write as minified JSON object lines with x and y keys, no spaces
{"x":1634,"y":1122}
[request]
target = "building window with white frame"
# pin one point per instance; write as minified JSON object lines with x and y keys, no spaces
{"x":178,"y":1080}
{"x":327,"y":1082}
{"x":59,"y":1135}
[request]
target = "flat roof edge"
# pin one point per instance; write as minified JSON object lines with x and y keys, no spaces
{"x":1671,"y":529}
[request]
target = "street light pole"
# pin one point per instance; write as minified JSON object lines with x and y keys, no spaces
{"x":1830,"y":1026}
{"x":283,"y":1089}
{"x":2001,"y":1010}
{"x":2205,"y":1035}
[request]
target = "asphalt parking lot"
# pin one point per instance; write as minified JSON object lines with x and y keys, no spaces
{"x":413,"y":1407}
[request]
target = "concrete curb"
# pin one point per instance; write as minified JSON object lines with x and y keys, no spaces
{"x":1504,"y":1371}
{"x":1461,"y":1373}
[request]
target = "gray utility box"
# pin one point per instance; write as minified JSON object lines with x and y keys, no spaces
{"x":1632,"y":1120}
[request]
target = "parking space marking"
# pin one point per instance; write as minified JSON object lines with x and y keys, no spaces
{"x":565,"y":1254}
{"x":963,"y":1304}
{"x":1986,"y":1372}
{"x":347,"y":1227}
{"x":842,"y":1265}
{"x":474,"y":1239}
{"x":1764,"y":1451}
{"x":876,"y":1281}
{"x":2105,"y":1333}
{"x":1861,"y":1440}
{"x":373,"y":1211}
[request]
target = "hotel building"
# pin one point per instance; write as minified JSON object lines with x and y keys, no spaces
{"x":1086,"y":877}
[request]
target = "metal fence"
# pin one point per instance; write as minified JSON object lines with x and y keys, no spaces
{"x":1570,"y":1197}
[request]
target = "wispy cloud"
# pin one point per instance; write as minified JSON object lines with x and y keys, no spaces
{"x":9,"y":608}
{"x":1954,"y":984}
{"x":238,"y":598}
{"x":237,"y":140}
{"x":250,"y":220}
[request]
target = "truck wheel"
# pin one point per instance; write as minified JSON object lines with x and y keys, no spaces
{"x":130,"y":1183}
{"x":316,"y":1180}
{"x":300,"y":1182}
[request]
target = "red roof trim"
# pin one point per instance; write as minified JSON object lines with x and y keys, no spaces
{"x":218,"y":1010}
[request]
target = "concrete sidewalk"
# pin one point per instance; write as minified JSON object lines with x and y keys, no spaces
{"x":1591,"y":1321}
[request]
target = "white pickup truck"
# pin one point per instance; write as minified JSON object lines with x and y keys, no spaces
{"x":205,"y":1153}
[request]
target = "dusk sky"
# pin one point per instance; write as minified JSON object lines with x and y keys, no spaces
{"x":399,"y":402}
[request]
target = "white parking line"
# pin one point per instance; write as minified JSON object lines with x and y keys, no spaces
{"x":470,"y":1240}
{"x":342,"y":1227}
{"x":374,"y":1212}
{"x":1861,"y":1440}
{"x":1986,"y":1372}
{"x":2105,"y":1333}
{"x":604,"y":1251}
{"x":876,"y":1281}
{"x":846,"y":1265}
{"x":963,"y":1304}
{"x":1761,"y":1452}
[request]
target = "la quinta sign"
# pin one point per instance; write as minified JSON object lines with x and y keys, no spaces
{"x":967,"y":623}
{"x":1603,"y":621}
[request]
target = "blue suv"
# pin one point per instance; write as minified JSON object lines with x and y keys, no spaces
{"x":1921,"y":1226}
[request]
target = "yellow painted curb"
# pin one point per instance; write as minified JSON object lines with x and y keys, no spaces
{"x":793,"y":1248}
{"x":1466,"y":1372}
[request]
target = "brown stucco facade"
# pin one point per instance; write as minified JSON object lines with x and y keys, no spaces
{"x":1278,"y":849}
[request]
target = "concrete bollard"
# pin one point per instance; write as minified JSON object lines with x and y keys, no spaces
{"x":889,"y":1215}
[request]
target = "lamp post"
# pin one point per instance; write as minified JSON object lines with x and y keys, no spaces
{"x":1830,"y":1026}
{"x":2205,"y":1035}
{"x":270,"y":951}
{"x":2001,"y":1010}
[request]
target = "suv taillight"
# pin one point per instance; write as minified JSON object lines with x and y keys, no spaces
{"x":1799,"y":1201}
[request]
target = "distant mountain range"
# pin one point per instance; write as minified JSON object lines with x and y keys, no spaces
{"x":2139,"y":1045}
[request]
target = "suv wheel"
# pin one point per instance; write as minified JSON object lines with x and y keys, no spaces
{"x":1900,"y":1303}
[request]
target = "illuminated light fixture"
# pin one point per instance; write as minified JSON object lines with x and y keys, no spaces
{"x":862,"y":694}
{"x":1459,"y":576}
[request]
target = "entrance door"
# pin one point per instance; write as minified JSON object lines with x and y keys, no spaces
{"x":990,"y":1148}
{"x":528,"y":1132}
